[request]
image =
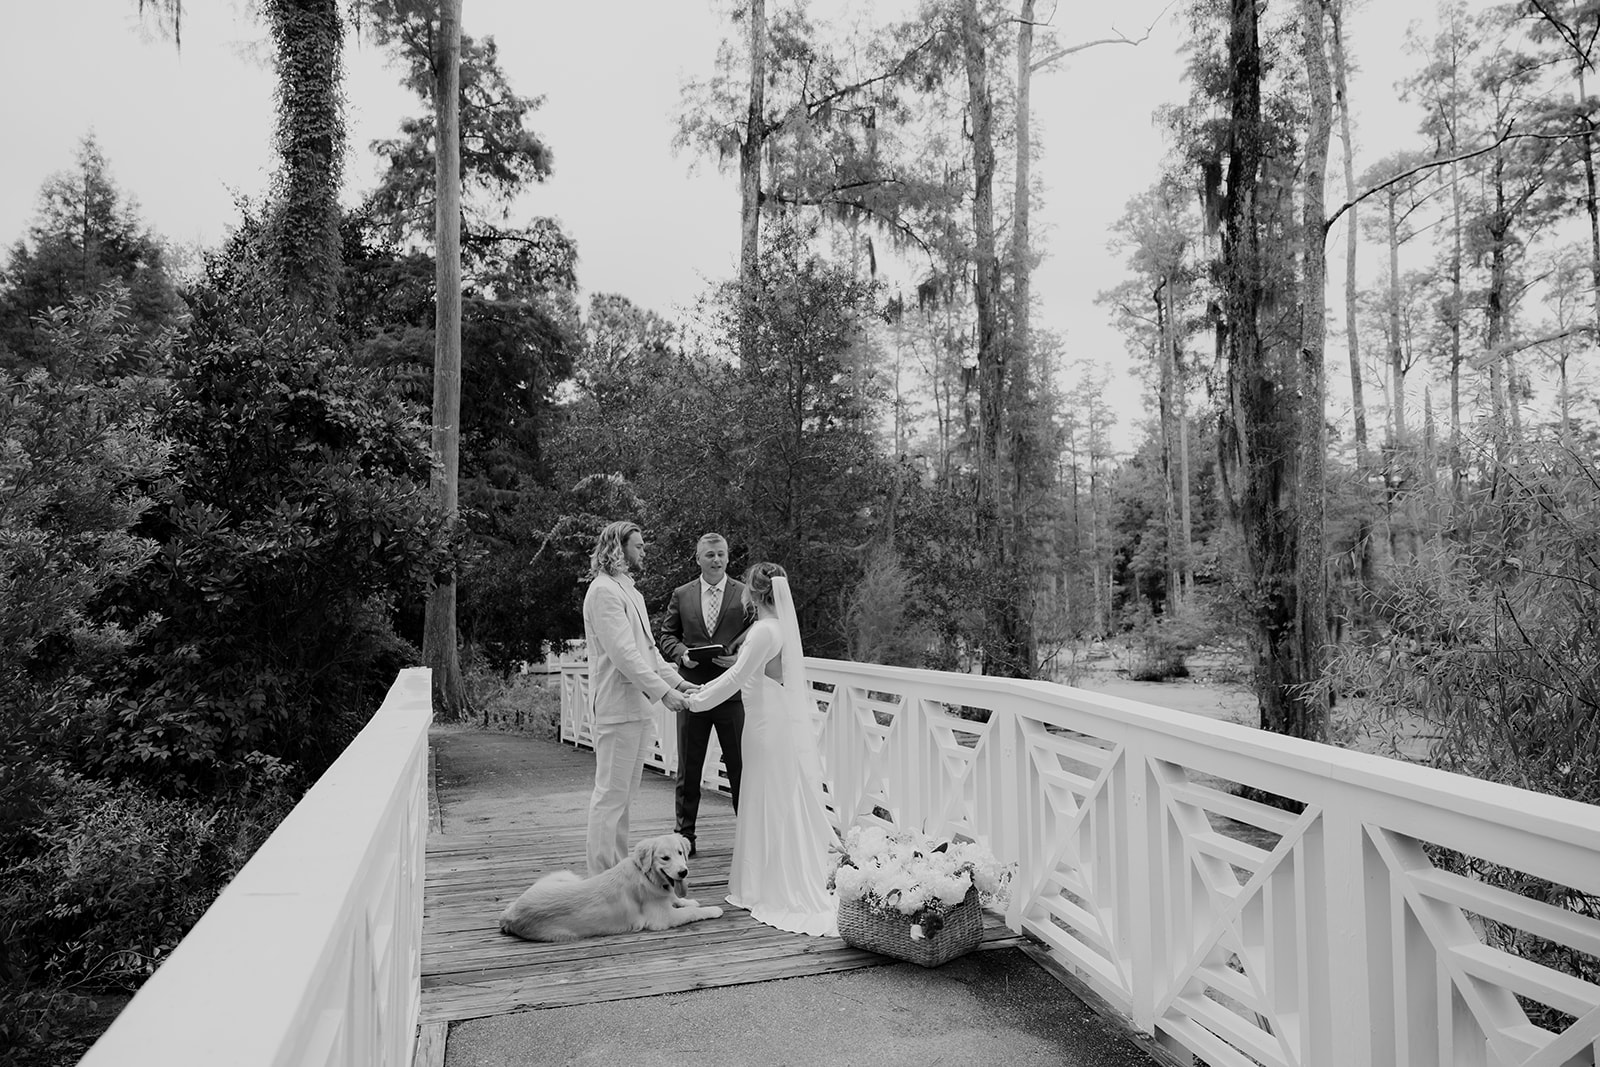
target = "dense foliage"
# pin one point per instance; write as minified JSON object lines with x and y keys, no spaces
{"x":207,"y":528}
{"x":216,"y":531}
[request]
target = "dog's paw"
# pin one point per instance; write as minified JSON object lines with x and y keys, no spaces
{"x":713,"y":912}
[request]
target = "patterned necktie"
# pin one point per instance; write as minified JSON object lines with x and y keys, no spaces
{"x":713,"y":606}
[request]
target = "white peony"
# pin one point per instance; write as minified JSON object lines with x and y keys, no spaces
{"x":949,"y":889}
{"x":851,"y":883}
{"x":912,"y":900}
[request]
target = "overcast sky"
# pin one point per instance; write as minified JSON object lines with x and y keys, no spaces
{"x":186,"y":131}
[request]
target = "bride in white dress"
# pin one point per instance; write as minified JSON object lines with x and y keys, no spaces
{"x":782,"y":836}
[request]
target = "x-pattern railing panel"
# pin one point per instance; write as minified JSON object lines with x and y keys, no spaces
{"x":1312,"y":932}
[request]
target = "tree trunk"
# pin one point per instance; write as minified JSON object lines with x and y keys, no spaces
{"x":1457,"y":309}
{"x":308,"y":38}
{"x":1397,"y":371}
{"x":750,"y":182}
{"x":1586,"y":147}
{"x":1342,"y":93}
{"x":1358,"y":403}
{"x":1022,"y":265}
{"x":1165,"y":383}
{"x":1310,"y":565}
{"x":1002,"y":647}
{"x":1258,"y":424}
{"x":439,"y":627}
{"x":1102,"y":599}
{"x":1024,"y":433}
{"x":1495,"y":332}
{"x":1187,"y":547}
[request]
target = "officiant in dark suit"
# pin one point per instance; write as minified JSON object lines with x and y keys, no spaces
{"x":707,"y":611}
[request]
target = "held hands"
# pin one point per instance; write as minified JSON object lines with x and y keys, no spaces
{"x":675,"y":701}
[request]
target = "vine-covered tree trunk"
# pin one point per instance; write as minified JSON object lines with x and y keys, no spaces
{"x":308,"y":37}
{"x":1258,"y":423}
{"x":439,"y":626}
{"x":1001,"y":610}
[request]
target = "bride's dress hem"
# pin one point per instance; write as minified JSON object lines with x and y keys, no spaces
{"x":809,"y":923}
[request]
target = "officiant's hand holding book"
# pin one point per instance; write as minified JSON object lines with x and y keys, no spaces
{"x":703,"y":655}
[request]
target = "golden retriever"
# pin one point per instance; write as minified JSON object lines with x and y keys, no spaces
{"x":639,"y":893}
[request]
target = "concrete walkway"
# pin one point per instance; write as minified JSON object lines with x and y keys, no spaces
{"x":997,"y":1006}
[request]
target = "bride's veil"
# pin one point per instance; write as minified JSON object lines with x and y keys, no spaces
{"x":798,"y":704}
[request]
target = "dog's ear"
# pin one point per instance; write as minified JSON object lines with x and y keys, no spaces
{"x":683,"y":844}
{"x":644,"y":855}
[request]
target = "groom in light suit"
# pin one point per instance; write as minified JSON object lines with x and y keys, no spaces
{"x":626,"y":676}
{"x":707,"y":611}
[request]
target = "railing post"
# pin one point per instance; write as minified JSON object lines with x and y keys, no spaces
{"x":1145,"y":936}
{"x":569,"y":720}
{"x":1359,"y":1003}
{"x":1005,"y":821}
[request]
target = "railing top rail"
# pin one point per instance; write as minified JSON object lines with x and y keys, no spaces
{"x":1569,"y":820}
{"x":235,"y":989}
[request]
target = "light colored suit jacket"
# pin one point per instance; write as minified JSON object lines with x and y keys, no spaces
{"x":626,"y":673}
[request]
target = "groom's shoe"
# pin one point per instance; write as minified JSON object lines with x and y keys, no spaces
{"x":691,"y":845}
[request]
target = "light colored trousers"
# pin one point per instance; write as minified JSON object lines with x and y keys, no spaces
{"x":619,"y":753}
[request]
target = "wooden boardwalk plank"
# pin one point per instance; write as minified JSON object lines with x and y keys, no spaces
{"x":470,"y":970}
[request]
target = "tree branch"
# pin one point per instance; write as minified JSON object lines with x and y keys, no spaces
{"x":811,"y":107}
{"x":1411,"y":172}
{"x":1511,"y":348}
{"x":825,"y":199}
{"x":1568,"y":34}
{"x":1120,"y":38}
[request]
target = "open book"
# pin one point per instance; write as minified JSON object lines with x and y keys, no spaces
{"x":703,"y":654}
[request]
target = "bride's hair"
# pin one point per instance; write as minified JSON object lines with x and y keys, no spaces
{"x":758,"y":579}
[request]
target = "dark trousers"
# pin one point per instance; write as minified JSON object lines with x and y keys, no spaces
{"x":694,"y":735}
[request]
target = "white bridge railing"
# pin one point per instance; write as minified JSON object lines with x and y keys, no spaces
{"x":311,"y":957}
{"x":1236,"y":931}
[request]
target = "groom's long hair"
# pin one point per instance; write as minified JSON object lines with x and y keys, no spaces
{"x":607,"y":556}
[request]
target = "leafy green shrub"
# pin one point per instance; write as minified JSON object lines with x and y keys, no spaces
{"x":1158,"y":647}
{"x":298,"y":519}
{"x":102,"y":885}
{"x":1491,"y":638}
{"x":76,"y":444}
{"x":513,"y":701}
{"x":884,"y":620}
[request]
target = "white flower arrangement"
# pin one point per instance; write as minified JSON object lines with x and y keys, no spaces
{"x":916,"y":875}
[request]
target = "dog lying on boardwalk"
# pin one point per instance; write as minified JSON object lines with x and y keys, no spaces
{"x":639,"y":893}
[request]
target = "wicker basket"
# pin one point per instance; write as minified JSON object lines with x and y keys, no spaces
{"x":890,"y":934}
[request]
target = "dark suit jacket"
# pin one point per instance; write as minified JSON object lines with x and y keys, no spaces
{"x":685,"y":627}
